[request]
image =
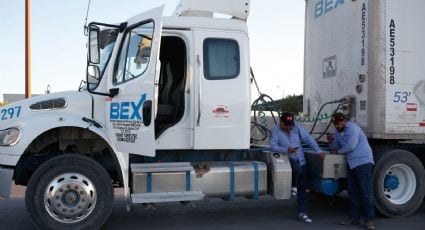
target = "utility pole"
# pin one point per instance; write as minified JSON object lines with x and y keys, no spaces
{"x":27,"y":50}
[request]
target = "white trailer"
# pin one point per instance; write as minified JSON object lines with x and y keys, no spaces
{"x":372,"y":53}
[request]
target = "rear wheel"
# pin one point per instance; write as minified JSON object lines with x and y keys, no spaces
{"x":69,"y":192}
{"x":398,"y":180}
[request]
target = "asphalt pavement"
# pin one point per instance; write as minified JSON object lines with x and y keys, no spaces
{"x":241,"y":213}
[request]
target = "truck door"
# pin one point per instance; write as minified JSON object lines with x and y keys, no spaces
{"x":130,"y":114}
{"x":222,"y":105}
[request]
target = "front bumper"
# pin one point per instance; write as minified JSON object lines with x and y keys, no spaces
{"x":8,"y":159}
{"x":6,"y":179}
{"x":7,"y":164}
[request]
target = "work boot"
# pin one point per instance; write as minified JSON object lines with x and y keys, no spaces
{"x":349,"y":221}
{"x":369,"y":225}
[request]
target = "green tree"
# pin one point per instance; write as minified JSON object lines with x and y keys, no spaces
{"x":2,"y":103}
{"x":293,"y":104}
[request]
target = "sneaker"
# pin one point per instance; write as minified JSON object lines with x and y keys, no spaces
{"x":304,"y":218}
{"x":349,"y":221}
{"x":294,"y":191}
{"x":369,"y":225}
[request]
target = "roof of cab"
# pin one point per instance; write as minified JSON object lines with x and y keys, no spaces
{"x":186,"y":22}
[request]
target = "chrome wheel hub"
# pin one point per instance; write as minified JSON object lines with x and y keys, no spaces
{"x":70,"y":198}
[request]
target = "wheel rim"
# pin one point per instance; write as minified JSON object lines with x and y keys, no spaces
{"x":70,"y":198}
{"x":399,"y":184}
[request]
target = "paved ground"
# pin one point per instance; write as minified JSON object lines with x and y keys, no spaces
{"x":245,"y":214}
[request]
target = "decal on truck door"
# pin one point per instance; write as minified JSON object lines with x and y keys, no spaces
{"x":126,"y":119}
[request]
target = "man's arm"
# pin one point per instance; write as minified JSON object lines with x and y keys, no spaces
{"x":274,"y":139}
{"x":306,"y":138}
{"x":352,"y":141}
{"x":334,"y":144}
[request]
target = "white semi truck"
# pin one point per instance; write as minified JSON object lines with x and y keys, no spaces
{"x":372,"y":53}
{"x":166,"y":116}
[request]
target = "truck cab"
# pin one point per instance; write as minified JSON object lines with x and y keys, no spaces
{"x":180,"y":82}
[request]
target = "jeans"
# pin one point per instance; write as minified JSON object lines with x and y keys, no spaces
{"x":301,"y":182}
{"x":360,"y":192}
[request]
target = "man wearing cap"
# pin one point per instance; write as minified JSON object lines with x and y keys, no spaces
{"x":288,"y":137}
{"x":350,"y":140}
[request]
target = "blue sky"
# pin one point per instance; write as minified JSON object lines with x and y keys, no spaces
{"x":276,"y":30}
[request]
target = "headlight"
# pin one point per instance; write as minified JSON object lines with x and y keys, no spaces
{"x":9,"y":137}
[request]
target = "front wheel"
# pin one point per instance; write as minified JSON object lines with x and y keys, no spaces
{"x":398,"y":182}
{"x":69,"y":192}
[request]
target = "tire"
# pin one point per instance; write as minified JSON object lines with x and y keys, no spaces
{"x":398,"y":183}
{"x":69,"y":192}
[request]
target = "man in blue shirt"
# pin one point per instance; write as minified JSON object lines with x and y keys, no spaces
{"x":351,"y":141}
{"x":287,"y":137}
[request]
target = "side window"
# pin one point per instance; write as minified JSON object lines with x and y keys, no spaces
{"x":135,"y":53}
{"x":221,"y":59}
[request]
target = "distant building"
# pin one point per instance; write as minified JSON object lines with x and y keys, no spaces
{"x":10,"y":98}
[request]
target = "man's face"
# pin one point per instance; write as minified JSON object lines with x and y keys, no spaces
{"x":284,"y":127}
{"x":340,"y":125}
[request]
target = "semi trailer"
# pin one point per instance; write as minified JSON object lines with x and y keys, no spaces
{"x":371,"y":54}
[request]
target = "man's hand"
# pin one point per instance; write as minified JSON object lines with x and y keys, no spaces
{"x":292,"y":150}
{"x":322,"y":156}
{"x":334,"y":151}
{"x":330,"y":137}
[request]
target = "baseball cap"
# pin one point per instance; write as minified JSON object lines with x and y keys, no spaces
{"x":287,"y":118}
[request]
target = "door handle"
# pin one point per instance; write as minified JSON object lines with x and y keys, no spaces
{"x":114,"y":92}
{"x":198,"y":120}
{"x":147,"y":112}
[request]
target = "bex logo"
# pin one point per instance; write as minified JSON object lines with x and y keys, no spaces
{"x":325,"y":6}
{"x":121,"y":110}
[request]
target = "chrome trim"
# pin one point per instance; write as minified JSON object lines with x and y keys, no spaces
{"x":198,"y":120}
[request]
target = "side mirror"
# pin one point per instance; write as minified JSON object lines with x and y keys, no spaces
{"x":93,"y":45}
{"x":93,"y":77}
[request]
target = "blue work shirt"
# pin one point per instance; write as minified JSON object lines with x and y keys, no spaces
{"x":353,"y":143}
{"x":280,"y":141}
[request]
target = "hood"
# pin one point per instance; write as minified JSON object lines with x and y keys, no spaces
{"x":63,"y":102}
